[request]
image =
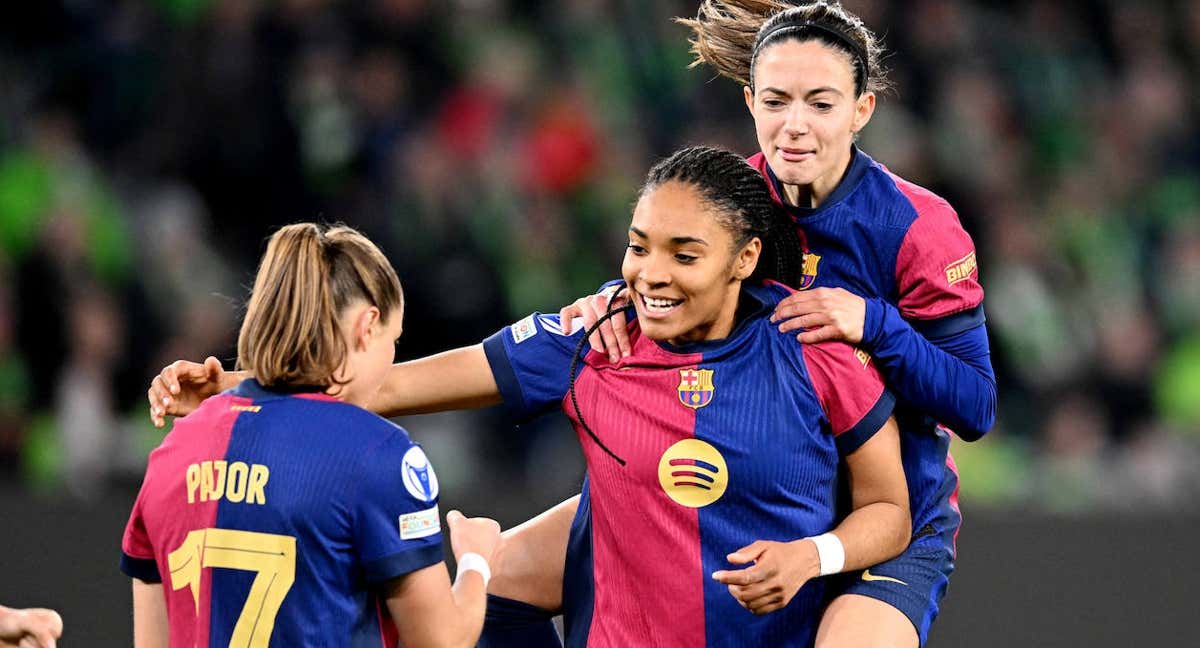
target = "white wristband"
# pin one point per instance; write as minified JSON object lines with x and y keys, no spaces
{"x":830,"y":552}
{"x":476,"y":563}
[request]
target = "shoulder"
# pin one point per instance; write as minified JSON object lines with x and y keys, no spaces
{"x":770,"y":292}
{"x":330,"y":421}
{"x":928,"y":213}
{"x":900,"y":203}
{"x":371,"y":426}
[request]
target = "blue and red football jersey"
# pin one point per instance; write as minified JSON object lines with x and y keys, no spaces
{"x":725,"y":442}
{"x":903,"y":249}
{"x":269,"y":517}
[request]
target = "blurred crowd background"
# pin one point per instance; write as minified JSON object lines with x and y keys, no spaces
{"x":493,"y":148}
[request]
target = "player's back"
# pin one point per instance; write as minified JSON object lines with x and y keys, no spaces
{"x":268,"y":514}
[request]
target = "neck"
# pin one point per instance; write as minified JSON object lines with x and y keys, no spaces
{"x":721,"y":326}
{"x":813,"y":195}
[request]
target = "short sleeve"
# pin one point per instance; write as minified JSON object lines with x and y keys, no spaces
{"x":531,"y":362}
{"x":397,"y":525}
{"x":851,"y":392}
{"x":937,"y":275}
{"x":137,"y":554}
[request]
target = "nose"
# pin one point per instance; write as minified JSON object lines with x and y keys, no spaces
{"x":654,"y":270}
{"x":796,"y":122}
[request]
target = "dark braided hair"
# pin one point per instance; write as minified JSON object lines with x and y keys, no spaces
{"x":743,"y":206}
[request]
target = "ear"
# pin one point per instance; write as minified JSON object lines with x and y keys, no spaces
{"x":748,"y":93}
{"x":366,"y":326}
{"x":747,"y":259}
{"x":864,"y":107}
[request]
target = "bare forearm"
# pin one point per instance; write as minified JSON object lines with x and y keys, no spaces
{"x":874,"y":533}
{"x":430,"y":612}
{"x":471,"y":600}
{"x":458,"y":379}
{"x":879,"y":525}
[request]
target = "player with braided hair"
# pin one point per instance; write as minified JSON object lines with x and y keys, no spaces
{"x":889,"y":268}
{"x":715,"y":444}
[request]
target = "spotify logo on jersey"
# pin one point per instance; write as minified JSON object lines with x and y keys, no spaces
{"x":693,"y":473}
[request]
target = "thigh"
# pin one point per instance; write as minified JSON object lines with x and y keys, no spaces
{"x":857,"y":621}
{"x":910,"y":587}
{"x":530,"y":565}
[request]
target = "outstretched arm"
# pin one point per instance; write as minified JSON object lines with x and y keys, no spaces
{"x":457,"y":379}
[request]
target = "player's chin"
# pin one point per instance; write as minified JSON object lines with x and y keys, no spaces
{"x":794,"y":173}
{"x":659,"y":329}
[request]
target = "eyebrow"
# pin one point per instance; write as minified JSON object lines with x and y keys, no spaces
{"x":810,"y":93}
{"x":677,"y":240}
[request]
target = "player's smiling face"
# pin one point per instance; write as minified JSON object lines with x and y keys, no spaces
{"x":681,"y":265}
{"x":806,"y":114}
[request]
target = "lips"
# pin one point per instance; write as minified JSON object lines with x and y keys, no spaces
{"x":795,"y":154}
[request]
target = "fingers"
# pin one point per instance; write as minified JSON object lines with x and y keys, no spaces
{"x":155,"y":401}
{"x":620,"y":335}
{"x":590,"y":313}
{"x":159,"y":398}
{"x":761,"y":598}
{"x":809,"y":301}
{"x":567,"y":314}
{"x":454,"y":517}
{"x":212,"y":368}
{"x":39,"y":639}
{"x":807,"y":321}
{"x":822,"y":334}
{"x":739,"y":577}
{"x":170,"y":376}
{"x":749,"y":553}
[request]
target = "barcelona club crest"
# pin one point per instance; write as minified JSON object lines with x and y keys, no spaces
{"x":809,"y":275}
{"x":696,"y":387}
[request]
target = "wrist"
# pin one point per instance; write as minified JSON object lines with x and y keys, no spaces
{"x":830,"y":553}
{"x":872,"y":322}
{"x":471,"y":561}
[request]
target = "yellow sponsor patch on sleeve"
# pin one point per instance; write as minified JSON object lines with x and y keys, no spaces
{"x":961,"y":269}
{"x":863,"y":356}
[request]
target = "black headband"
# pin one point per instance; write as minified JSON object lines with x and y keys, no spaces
{"x":838,"y":35}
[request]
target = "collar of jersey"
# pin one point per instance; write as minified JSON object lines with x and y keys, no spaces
{"x":755,"y":303}
{"x":859,"y":164}
{"x":254,"y":390}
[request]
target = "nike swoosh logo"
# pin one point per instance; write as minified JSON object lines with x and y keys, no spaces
{"x":868,"y":576}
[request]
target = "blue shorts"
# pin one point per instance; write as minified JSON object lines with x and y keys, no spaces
{"x":913,"y":582}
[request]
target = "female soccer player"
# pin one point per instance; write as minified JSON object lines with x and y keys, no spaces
{"x":714,"y":444}
{"x":889,"y":268}
{"x":316,"y":511}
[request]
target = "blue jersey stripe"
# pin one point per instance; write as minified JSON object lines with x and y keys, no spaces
{"x":951,"y":324}
{"x":399,"y":564}
{"x":852,"y":439}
